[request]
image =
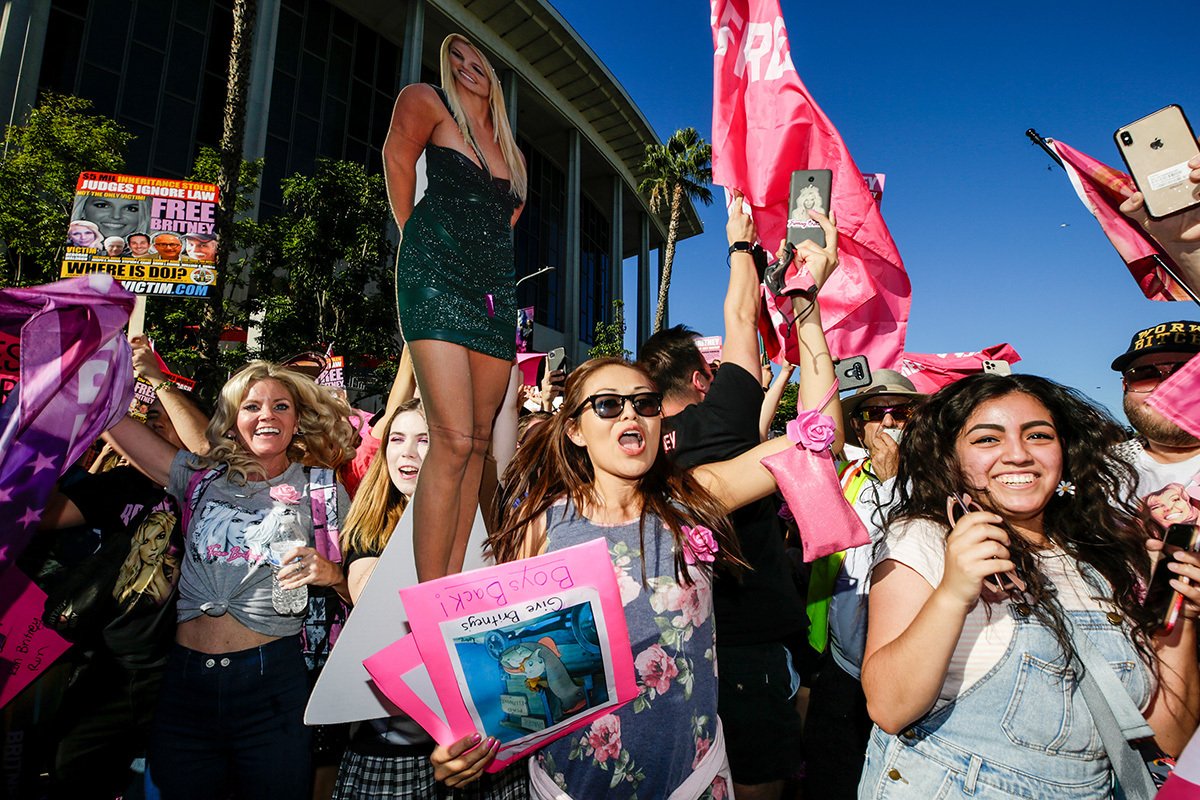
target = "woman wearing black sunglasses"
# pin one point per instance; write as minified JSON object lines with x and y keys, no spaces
{"x":1013,"y":554}
{"x":597,"y":470}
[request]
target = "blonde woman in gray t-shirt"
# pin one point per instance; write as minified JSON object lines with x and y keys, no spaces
{"x":230,"y":715}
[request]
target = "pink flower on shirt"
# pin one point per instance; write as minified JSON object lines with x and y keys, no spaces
{"x":656,"y":668}
{"x":604,"y":738}
{"x":285,"y":493}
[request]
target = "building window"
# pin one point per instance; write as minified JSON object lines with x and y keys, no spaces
{"x":540,"y":239}
{"x":595,"y":273}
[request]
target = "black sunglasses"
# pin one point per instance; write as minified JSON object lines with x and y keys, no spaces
{"x":900,"y":413}
{"x":610,"y":406}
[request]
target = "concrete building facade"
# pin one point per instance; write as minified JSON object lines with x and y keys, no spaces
{"x":324,"y":78}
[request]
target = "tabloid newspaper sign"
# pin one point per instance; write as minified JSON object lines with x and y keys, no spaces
{"x":156,"y":236}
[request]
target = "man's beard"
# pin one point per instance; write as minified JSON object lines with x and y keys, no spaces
{"x":1155,"y":427}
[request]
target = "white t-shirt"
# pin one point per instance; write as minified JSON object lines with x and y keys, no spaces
{"x":1169,"y":492}
{"x":921,"y":546}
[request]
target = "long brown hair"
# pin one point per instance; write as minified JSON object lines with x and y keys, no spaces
{"x":378,"y":504}
{"x":549,"y":467}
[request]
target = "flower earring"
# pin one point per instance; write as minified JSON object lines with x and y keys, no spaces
{"x":1065,"y":488}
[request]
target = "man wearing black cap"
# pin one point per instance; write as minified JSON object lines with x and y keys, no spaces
{"x":1166,"y":457}
{"x":838,"y":726}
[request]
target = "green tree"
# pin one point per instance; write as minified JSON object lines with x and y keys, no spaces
{"x":323,"y":270}
{"x":786,"y":411}
{"x":676,"y":171}
{"x":39,"y":169}
{"x":609,"y":338}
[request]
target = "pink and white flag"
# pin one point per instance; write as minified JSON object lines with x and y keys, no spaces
{"x":1178,"y":397}
{"x":1102,"y":189}
{"x":765,"y":126}
{"x":931,"y":371}
{"x":76,"y":377}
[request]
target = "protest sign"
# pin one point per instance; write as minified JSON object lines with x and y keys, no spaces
{"x":156,"y":236}
{"x":333,"y":374}
{"x":874,"y":182}
{"x":10,"y":364}
{"x":27,"y":647}
{"x":710,"y":348}
{"x":525,"y":329}
{"x":526,"y":651}
{"x":144,"y":395}
{"x":344,"y":691}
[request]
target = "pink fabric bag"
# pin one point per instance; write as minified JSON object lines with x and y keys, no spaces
{"x":808,"y":480}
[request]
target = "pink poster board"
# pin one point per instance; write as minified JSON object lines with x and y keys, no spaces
{"x":27,"y":646}
{"x":526,"y":651}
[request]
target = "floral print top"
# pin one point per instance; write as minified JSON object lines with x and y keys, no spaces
{"x":646,"y":748}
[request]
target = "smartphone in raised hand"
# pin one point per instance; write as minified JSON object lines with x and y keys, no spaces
{"x":810,"y":189}
{"x":1156,"y":148}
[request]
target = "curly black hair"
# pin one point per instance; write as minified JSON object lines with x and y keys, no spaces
{"x":1098,"y":525}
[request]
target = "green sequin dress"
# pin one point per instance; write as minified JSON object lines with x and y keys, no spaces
{"x":455,"y":273}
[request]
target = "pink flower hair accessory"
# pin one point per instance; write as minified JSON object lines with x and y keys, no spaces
{"x":699,"y":544}
{"x":285,"y":493}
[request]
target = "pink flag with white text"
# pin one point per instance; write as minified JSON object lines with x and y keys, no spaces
{"x":931,"y":371}
{"x":1102,"y":189}
{"x":765,"y":126}
{"x":76,"y":375}
{"x":1178,"y":397}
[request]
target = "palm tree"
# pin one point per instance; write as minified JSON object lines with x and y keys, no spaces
{"x":676,"y":171}
{"x":233,"y":135}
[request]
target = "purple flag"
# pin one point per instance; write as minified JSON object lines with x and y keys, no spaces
{"x":76,"y":382}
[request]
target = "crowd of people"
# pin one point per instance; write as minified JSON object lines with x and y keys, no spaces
{"x":992,"y":639}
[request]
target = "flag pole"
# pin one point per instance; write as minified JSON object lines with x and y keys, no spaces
{"x":1041,"y":142}
{"x":1037,"y":139}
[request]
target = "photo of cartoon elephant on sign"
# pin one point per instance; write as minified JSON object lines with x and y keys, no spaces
{"x":532,"y":675}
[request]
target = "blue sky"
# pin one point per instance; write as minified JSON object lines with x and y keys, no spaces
{"x":938,"y":95}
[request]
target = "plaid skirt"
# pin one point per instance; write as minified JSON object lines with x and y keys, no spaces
{"x":363,"y":777}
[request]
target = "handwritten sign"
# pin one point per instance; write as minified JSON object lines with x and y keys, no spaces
{"x":526,"y":651}
{"x":27,"y":647}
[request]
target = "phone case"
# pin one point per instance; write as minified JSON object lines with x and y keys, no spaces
{"x":1188,"y":539}
{"x":810,"y":189}
{"x":1156,"y":149}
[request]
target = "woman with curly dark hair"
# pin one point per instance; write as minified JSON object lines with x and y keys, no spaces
{"x":1014,"y":545}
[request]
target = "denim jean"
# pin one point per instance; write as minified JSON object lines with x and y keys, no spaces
{"x":1022,"y":731}
{"x":233,"y":722}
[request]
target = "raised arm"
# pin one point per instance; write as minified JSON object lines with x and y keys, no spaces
{"x":1175,"y":708}
{"x":143,"y":448}
{"x":816,"y":363}
{"x":415,"y":115}
{"x":742,"y":297}
{"x":188,"y":420}
{"x":743,"y":479}
{"x":771,"y":399}
{"x":404,"y":388}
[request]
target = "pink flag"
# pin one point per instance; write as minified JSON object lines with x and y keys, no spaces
{"x":76,"y":378}
{"x":931,"y":371}
{"x":765,"y":126}
{"x":1178,"y":397}
{"x":1102,"y":189}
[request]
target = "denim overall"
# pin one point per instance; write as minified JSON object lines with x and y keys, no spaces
{"x":1023,"y":730}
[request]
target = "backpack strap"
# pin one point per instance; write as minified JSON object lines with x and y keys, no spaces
{"x":322,"y":494}
{"x":197,"y":485}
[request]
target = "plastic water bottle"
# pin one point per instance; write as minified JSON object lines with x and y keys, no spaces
{"x":289,"y":602}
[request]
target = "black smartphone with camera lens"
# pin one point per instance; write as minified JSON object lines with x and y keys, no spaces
{"x":1162,"y":598}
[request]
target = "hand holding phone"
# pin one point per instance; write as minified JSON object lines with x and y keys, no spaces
{"x":1157,"y":149}
{"x":1162,"y":598}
